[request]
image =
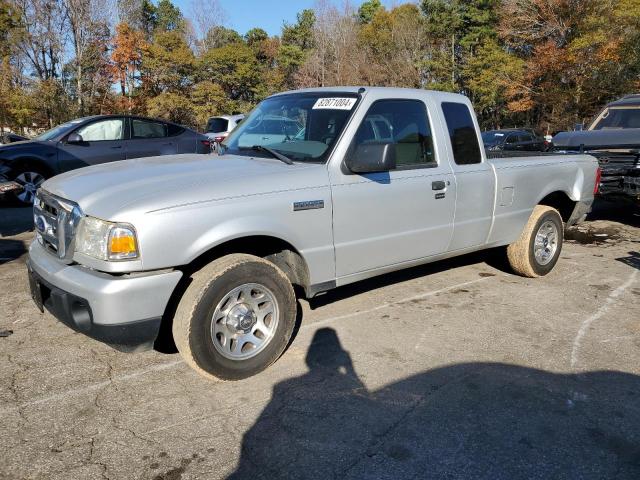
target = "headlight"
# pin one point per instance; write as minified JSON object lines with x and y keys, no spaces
{"x":106,"y":240}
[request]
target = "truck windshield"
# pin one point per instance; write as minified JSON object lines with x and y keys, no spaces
{"x":617,"y":118}
{"x":301,"y":126}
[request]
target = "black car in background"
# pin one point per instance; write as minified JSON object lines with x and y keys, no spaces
{"x":8,"y":137}
{"x":519,"y":140}
{"x":90,"y":141}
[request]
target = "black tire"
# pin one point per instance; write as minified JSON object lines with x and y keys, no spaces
{"x":192,"y":324}
{"x":27,"y":173}
{"x":521,"y":253}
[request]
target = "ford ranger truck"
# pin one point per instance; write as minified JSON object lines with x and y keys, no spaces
{"x":316,"y":189}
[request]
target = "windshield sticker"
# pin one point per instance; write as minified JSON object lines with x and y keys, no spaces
{"x":334,"y":103}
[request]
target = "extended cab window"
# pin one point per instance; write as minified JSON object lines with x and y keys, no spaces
{"x":462,"y":132}
{"x":403,"y":123}
{"x":147,"y":129}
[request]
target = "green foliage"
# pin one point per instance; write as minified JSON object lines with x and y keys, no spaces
{"x":172,"y":106}
{"x":368,"y":10}
{"x":168,"y":64}
{"x":168,"y":17}
{"x":300,"y":33}
{"x":220,"y":36}
{"x":255,"y":36}
{"x":234,"y":67}
{"x":540,"y":63}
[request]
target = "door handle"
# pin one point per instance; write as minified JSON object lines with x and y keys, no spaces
{"x":438,"y":185}
{"x":167,"y":144}
{"x":117,"y":146}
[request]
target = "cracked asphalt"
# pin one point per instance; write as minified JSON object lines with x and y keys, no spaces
{"x":458,"y":369}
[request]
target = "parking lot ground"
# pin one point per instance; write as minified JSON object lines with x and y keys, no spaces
{"x":458,"y":369}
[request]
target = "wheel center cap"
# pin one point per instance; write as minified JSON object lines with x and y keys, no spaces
{"x":241,"y":318}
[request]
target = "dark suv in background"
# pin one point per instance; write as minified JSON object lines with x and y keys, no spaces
{"x":90,"y":141}
{"x":522,"y":140}
{"x":614,"y":139}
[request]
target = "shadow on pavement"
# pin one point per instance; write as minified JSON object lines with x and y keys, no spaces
{"x":11,"y":250}
{"x":633,"y":260}
{"x":15,"y":220}
{"x":494,"y":257}
{"x":475,"y":420}
{"x":619,"y":210}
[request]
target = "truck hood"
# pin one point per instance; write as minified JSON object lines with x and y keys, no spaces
{"x":598,"y":139}
{"x":112,"y":190}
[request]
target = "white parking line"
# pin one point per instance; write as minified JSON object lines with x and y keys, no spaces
{"x":164,"y":366}
{"x":391,"y":304}
{"x":611,"y":299}
{"x":91,"y":387}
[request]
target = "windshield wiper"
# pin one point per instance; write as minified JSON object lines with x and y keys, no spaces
{"x":274,"y":153}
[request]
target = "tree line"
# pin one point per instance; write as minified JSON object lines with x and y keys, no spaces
{"x":546,"y":64}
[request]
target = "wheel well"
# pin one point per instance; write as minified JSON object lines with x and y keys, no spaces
{"x":561,"y":202}
{"x":20,"y":164}
{"x":274,"y":249}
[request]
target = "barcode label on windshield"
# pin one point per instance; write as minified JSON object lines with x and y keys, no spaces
{"x":335,"y":103}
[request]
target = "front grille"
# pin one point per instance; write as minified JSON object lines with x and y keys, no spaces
{"x":56,"y":221}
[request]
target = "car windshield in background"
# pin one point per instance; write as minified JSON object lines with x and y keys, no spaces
{"x":493,"y":138}
{"x":217,"y":125}
{"x":59,"y":130}
{"x":618,"y":118}
{"x":301,"y":126}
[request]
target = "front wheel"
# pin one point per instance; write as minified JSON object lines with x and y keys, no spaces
{"x":235,"y":318}
{"x":537,"y":250}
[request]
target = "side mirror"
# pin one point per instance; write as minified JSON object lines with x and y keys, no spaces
{"x":578,"y":127}
{"x":372,"y":157}
{"x":74,"y":138}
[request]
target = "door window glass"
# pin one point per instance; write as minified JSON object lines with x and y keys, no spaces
{"x":462,"y":132}
{"x":102,"y":130}
{"x":403,"y":123}
{"x":147,"y":129}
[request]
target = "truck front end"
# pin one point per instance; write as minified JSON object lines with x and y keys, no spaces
{"x":121,"y":309}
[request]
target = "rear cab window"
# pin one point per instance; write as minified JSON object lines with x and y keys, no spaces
{"x":462,"y":133}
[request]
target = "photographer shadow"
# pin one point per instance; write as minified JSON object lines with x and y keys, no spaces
{"x":474,"y":420}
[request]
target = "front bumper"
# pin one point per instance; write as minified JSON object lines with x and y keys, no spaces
{"x":124,"y":311}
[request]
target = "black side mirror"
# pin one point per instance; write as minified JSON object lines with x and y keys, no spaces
{"x":75,"y":138}
{"x":372,"y":157}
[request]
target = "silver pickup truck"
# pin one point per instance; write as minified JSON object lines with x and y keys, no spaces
{"x":316,"y":189}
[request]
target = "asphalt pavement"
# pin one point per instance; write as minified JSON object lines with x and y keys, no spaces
{"x":458,"y":369}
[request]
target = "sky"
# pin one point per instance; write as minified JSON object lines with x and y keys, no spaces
{"x":242,"y":15}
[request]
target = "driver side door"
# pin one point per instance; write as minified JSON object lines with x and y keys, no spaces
{"x":405,"y":214}
{"x":103,"y":140}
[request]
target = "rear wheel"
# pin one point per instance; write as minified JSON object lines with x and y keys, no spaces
{"x":536,"y":252}
{"x":30,"y":179}
{"x":235,"y":318}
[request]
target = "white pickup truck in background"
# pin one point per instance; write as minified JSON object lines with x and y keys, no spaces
{"x":315,"y":189}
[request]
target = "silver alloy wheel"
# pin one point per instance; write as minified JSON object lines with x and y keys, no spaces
{"x":30,"y":182}
{"x":546,"y":242}
{"x":244,"y":321}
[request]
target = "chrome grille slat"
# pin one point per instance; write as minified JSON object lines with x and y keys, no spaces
{"x":56,"y":221}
